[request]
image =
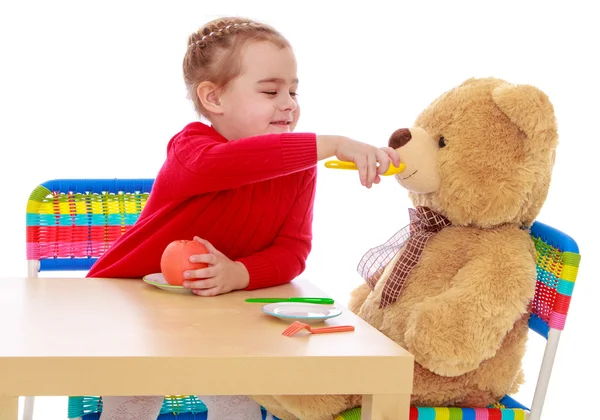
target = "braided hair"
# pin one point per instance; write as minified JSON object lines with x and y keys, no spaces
{"x":214,"y":52}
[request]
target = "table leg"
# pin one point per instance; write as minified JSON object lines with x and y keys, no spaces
{"x":9,"y":408}
{"x":385,"y":407}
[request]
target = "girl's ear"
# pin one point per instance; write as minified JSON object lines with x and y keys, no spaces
{"x":208,"y":94}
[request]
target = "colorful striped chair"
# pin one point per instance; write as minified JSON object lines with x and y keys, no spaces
{"x":72,"y":222}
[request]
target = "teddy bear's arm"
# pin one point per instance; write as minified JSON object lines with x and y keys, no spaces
{"x":358,"y":297}
{"x":453,"y":332}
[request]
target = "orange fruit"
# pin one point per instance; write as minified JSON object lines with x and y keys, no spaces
{"x":175,"y":260}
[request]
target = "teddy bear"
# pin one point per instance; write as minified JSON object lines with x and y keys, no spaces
{"x":454,"y":286}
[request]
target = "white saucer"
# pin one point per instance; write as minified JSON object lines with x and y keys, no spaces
{"x":309,"y":313}
{"x":158,"y":280}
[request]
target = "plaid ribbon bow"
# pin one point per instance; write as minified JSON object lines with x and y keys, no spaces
{"x":424,"y":223}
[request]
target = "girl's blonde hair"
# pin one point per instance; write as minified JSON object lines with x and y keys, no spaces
{"x":214,"y":52}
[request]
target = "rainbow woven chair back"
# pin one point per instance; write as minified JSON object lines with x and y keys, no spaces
{"x":557,"y":265}
{"x":72,"y":222}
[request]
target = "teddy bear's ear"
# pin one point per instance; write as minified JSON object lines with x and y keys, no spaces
{"x":470,"y":81}
{"x":527,"y":107}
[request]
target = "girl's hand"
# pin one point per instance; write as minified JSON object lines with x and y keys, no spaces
{"x":370,"y":160}
{"x":221,"y":276}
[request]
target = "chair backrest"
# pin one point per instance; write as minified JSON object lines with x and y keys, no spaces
{"x":557,"y":266}
{"x":70,"y":223}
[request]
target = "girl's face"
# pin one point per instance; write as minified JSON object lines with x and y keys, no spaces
{"x":262,"y":100}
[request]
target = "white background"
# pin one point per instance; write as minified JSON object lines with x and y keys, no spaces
{"x":94,"y":89}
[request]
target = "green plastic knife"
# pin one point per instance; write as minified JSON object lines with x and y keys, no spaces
{"x":321,"y":301}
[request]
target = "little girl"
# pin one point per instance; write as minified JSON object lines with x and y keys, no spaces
{"x":243,"y":185}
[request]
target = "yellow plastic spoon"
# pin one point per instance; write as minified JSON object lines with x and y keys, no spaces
{"x":338,"y":164}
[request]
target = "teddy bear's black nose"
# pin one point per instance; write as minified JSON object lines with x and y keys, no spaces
{"x":400,"y":138}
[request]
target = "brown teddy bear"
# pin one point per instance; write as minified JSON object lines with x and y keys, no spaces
{"x":454,"y":286}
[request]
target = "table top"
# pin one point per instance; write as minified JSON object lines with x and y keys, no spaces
{"x":72,"y":322}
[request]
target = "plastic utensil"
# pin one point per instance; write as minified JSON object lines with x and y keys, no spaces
{"x":297,"y":326}
{"x":338,"y":164}
{"x":317,"y":300}
{"x":309,"y":313}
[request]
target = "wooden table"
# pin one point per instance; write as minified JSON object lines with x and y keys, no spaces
{"x":73,"y":336}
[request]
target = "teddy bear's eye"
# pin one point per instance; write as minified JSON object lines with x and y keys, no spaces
{"x":442,"y":142}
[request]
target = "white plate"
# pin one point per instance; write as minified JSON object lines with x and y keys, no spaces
{"x":158,"y":280}
{"x":304,"y":312}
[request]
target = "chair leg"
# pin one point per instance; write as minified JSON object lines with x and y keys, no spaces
{"x":32,"y":268}
{"x":28,"y":408}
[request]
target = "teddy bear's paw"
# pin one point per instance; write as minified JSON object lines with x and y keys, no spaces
{"x":440,"y":347}
{"x":442,"y":356}
{"x":446,"y":367}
